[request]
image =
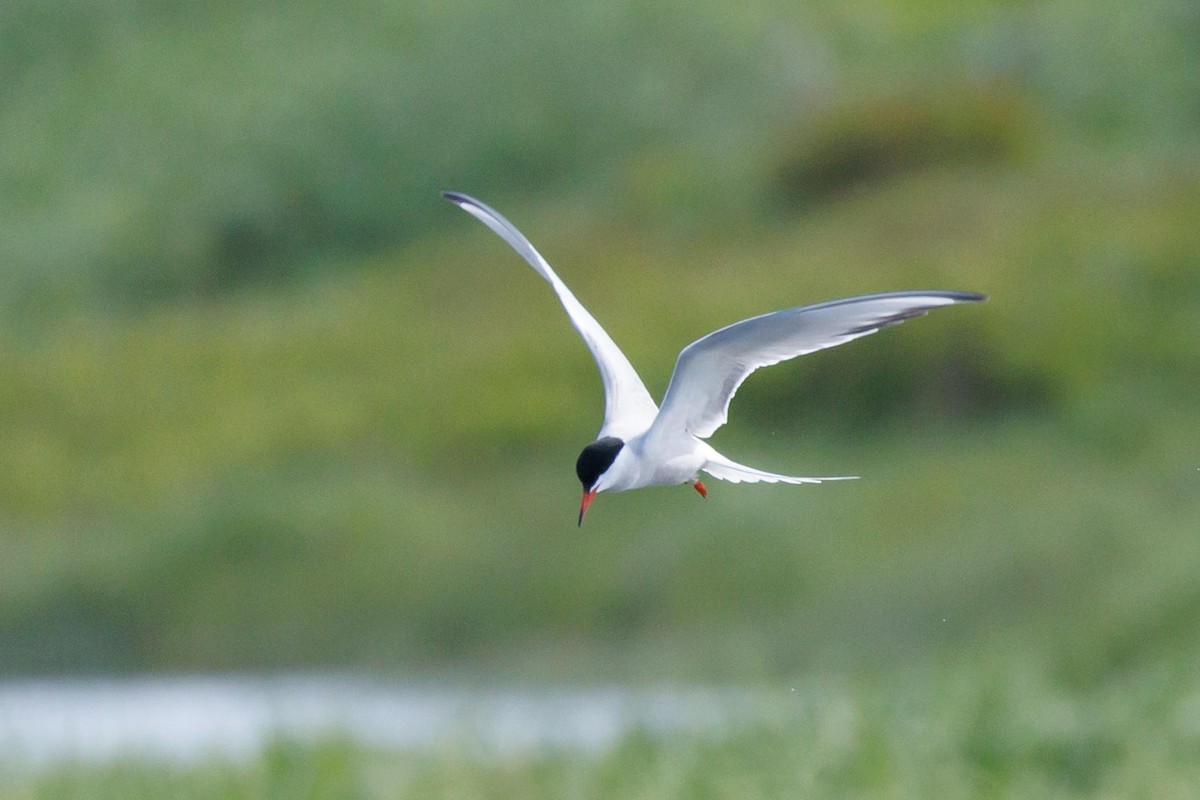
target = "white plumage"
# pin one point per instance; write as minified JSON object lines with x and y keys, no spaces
{"x":640,"y":444}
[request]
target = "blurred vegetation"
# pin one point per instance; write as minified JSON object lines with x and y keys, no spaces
{"x":266,"y":401}
{"x":859,"y":144}
{"x":979,"y":729}
{"x":154,"y":148}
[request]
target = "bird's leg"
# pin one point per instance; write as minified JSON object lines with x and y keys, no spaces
{"x":699,"y":487}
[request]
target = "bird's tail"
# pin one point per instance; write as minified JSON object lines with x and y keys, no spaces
{"x":721,"y":467}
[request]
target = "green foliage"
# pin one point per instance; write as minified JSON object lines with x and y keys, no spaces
{"x":206,"y":462}
{"x":987,"y":727}
{"x":351,"y":472}
{"x":266,"y":402}
{"x":849,"y":147}
{"x":155,"y":149}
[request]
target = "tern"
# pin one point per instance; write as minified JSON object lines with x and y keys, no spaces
{"x":642,"y":444}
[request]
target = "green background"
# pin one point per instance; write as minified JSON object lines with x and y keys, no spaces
{"x":267,"y":402}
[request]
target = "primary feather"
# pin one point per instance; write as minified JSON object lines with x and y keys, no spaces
{"x":709,"y":371}
{"x":628,"y":407}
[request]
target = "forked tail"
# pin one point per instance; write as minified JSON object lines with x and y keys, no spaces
{"x":726,"y":470}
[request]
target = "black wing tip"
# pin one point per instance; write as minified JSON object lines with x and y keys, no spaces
{"x":456,"y":197}
{"x":954,"y":296}
{"x":909,"y":294}
{"x":918,"y":311}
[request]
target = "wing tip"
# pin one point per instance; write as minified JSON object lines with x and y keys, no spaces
{"x":948,"y":296}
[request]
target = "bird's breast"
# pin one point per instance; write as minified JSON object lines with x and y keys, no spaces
{"x":638,"y":467}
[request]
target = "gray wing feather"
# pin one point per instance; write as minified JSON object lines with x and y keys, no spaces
{"x":709,"y":371}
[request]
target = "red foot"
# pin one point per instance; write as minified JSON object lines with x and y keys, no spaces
{"x":699,"y":487}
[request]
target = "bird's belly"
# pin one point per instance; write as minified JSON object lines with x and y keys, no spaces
{"x":672,"y":471}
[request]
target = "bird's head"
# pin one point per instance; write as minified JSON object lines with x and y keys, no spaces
{"x":591,"y":466}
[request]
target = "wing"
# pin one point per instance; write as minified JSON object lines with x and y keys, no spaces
{"x":628,"y":407}
{"x":710,"y":369}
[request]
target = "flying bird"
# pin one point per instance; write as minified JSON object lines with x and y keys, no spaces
{"x":642,"y":444}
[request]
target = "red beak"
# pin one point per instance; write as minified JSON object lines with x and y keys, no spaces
{"x":587,"y":501}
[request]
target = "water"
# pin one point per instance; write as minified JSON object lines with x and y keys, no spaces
{"x":187,"y":719}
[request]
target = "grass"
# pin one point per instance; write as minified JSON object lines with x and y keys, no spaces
{"x":266,"y":402}
{"x":989,"y":725}
{"x":154,"y":150}
{"x":309,"y":476}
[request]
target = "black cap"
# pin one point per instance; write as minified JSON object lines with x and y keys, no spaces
{"x":595,"y":460}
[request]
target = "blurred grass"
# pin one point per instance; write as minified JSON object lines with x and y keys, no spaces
{"x":310,"y":476}
{"x":986,"y":727}
{"x":155,"y":149}
{"x":265,"y":401}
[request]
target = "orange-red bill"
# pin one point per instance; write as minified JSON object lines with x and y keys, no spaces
{"x":587,"y":501}
{"x":700,"y":488}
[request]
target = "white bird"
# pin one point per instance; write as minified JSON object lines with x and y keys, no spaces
{"x":641,"y":444}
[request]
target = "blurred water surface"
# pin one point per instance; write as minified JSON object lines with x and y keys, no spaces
{"x":188,"y":719}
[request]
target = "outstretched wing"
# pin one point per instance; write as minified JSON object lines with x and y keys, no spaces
{"x":710,"y":369}
{"x":628,"y":407}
